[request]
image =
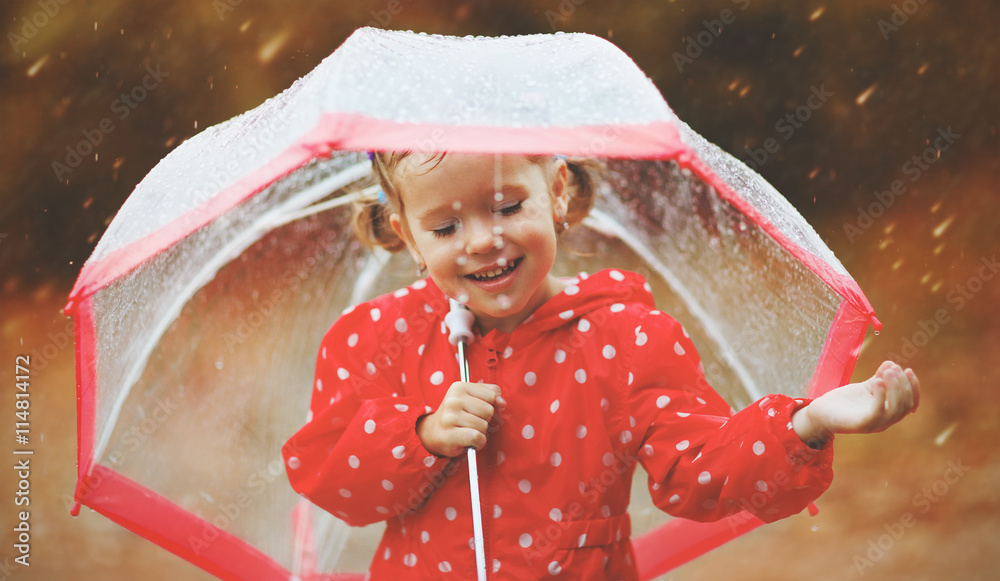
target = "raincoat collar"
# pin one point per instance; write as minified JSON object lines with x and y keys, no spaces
{"x":585,"y":294}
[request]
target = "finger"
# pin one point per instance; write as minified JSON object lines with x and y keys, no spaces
{"x":472,"y":422}
{"x":900,"y":386}
{"x":478,"y":408}
{"x":906,"y":391}
{"x":487,"y":392}
{"x":470,"y":438}
{"x":914,"y":387}
{"x":876,"y":386}
{"x":892,"y":390}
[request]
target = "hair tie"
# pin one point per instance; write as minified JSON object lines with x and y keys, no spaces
{"x":371,"y":155}
{"x":382,"y":198}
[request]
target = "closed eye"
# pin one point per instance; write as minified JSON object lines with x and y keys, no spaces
{"x":444,"y":231}
{"x":511,"y":209}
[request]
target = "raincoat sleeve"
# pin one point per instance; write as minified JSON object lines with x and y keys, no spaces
{"x":358,"y":457}
{"x":705,"y":462}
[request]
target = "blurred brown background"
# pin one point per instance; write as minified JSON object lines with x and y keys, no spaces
{"x":911,"y":94}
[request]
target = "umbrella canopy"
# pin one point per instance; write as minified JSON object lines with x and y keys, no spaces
{"x":200,"y":311}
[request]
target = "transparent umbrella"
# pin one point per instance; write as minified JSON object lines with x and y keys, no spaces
{"x":200,"y":311}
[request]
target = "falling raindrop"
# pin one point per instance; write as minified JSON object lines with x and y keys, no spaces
{"x":461,"y":261}
{"x":456,"y":205}
{"x":940,"y":228}
{"x":463,"y":298}
{"x":497,"y":230}
{"x":498,"y":196}
{"x":502,"y":263}
{"x":37,"y":66}
{"x":861,"y":98}
{"x":503,"y":301}
{"x":218,"y":364}
{"x":944,"y":435}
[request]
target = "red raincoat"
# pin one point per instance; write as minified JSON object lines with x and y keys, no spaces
{"x":595,"y":380}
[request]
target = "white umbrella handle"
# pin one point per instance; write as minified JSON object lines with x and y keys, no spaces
{"x":459,"y":321}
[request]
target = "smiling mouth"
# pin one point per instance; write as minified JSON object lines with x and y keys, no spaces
{"x":491,"y":275}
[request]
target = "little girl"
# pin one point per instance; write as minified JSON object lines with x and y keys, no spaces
{"x":574,"y":381}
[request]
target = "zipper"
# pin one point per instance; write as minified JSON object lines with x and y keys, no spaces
{"x":492,"y":364}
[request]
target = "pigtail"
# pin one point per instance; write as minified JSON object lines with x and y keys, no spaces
{"x":370,"y":220}
{"x":584,"y":175}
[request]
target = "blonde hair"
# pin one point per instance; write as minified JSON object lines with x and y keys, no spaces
{"x":370,"y":218}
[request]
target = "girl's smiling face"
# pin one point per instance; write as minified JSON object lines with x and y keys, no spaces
{"x":485,"y":226}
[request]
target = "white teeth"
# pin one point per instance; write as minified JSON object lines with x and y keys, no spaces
{"x":490,"y":273}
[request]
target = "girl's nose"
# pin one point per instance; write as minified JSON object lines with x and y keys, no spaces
{"x":481,"y":239}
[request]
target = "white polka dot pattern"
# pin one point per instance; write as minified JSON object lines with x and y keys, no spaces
{"x":613,"y":382}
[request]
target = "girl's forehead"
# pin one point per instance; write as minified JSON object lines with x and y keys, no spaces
{"x":470,"y":172}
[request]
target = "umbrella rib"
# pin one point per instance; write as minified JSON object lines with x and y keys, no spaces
{"x":263,"y":224}
{"x":323,"y":206}
{"x":369,"y":275}
{"x":602,"y":222}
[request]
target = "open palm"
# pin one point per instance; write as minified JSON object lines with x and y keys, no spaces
{"x":869,"y":406}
